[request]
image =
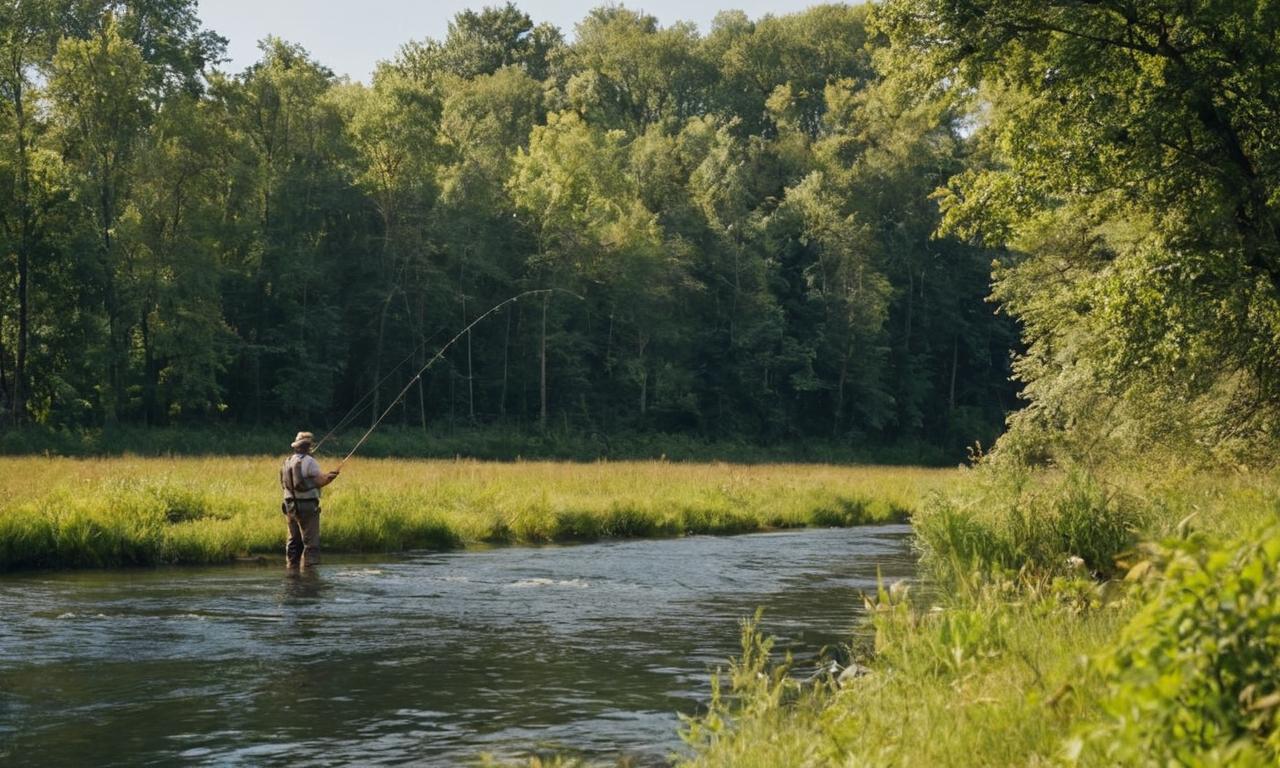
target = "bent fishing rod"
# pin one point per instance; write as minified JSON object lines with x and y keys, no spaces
{"x":440,"y":354}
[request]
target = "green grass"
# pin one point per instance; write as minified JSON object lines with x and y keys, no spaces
{"x":1010,"y":657}
{"x":974,"y":685}
{"x":72,"y":513}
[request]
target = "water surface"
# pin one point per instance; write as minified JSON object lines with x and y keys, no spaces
{"x":427,"y":659}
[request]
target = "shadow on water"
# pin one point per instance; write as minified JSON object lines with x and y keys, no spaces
{"x":432,"y":658}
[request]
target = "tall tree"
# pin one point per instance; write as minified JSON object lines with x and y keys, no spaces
{"x":481,"y":43}
{"x":99,"y":107}
{"x":1128,"y":162}
{"x":26,"y":46}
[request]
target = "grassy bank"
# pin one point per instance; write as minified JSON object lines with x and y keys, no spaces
{"x":1159,"y":649}
{"x":57,"y":512}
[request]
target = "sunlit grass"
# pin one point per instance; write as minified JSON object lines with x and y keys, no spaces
{"x":136,"y":511}
{"x":1000,"y":660}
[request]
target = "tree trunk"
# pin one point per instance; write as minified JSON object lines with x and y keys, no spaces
{"x":150,"y":374}
{"x":115,"y":366}
{"x":955,"y":359}
{"x":24,"y":330}
{"x":844,"y":378}
{"x":542,"y":385}
{"x":4,"y":385}
{"x":462,"y":294}
{"x":24,"y":256}
{"x":471,"y":394}
{"x":422,"y":360}
{"x":906,"y":324}
{"x":644,"y":376}
{"x":506,"y":347}
{"x":377,"y":361}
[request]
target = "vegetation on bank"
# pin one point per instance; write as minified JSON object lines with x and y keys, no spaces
{"x":58,"y":513}
{"x":1159,"y":651}
{"x":1104,"y":590}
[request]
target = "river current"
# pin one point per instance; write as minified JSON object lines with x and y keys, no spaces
{"x":424,"y":659}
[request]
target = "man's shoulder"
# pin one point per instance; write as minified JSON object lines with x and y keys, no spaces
{"x":309,"y":463}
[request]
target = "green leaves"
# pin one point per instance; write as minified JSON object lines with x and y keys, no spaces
{"x":1137,"y":132}
{"x":744,"y":215}
{"x":1193,"y":680}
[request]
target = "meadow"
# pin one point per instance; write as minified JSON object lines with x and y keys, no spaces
{"x":77,"y":513}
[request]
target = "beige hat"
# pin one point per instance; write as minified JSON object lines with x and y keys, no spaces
{"x":303,"y":438}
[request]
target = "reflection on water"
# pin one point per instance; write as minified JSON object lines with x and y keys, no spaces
{"x":431,"y":658}
{"x":302,"y":586}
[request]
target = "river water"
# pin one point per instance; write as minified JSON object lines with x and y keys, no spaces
{"x":430,"y":658}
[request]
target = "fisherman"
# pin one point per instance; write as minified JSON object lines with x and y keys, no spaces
{"x":301,"y":480}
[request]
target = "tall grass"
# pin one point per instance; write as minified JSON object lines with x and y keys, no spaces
{"x":1019,"y":655}
{"x":1013,"y":522}
{"x":978,"y":684}
{"x":139,"y":511}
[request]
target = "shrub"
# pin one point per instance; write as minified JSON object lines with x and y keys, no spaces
{"x":1194,"y":678}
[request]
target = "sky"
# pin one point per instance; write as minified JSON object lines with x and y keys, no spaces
{"x":351,"y":37}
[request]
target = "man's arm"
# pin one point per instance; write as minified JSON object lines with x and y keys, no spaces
{"x":321,"y":479}
{"x":326,"y":478}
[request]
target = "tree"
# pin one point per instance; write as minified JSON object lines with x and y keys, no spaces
{"x":483,"y":43}
{"x":168,"y":232}
{"x":291,"y":201}
{"x":486,"y":120}
{"x":743,"y":221}
{"x":99,"y":110}
{"x":629,"y":73}
{"x":26,"y":46}
{"x":392,"y":128}
{"x":1142,"y":131}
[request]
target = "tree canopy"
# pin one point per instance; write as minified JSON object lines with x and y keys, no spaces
{"x":1126,"y":156}
{"x":738,"y":223}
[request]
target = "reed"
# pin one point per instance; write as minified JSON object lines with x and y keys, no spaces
{"x":70,"y":513}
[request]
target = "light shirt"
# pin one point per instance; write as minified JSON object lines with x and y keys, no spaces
{"x":304,"y":467}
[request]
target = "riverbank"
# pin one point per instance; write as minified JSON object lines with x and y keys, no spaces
{"x":1076,"y":622}
{"x":77,"y":513}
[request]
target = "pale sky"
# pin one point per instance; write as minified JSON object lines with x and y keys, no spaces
{"x":350,"y":36}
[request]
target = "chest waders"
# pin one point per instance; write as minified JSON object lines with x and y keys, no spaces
{"x":302,"y":513}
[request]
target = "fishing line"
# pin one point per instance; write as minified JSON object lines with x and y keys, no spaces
{"x":360,"y":405}
{"x":417,"y":376}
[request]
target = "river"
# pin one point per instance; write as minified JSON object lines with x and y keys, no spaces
{"x":427,"y":658}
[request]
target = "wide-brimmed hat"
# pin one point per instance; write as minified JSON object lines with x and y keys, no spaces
{"x":303,"y":438}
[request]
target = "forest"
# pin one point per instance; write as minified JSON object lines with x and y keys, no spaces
{"x":740,"y":227}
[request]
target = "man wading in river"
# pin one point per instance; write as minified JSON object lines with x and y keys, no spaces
{"x":301,"y":480}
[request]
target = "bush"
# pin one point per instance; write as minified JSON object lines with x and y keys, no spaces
{"x":1194,"y":678}
{"x":1008,"y":525}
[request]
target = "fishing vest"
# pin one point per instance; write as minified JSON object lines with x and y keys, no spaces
{"x":296,"y":477}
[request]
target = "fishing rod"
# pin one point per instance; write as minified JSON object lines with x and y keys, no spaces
{"x":417,"y":376}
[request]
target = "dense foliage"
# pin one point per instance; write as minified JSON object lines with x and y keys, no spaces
{"x":1128,"y":158}
{"x":1193,"y":679}
{"x":739,"y":222}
